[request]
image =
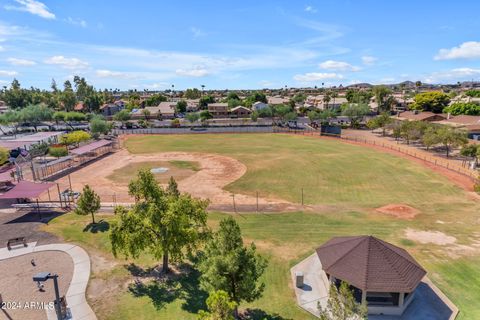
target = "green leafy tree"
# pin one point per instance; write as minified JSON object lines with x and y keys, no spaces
{"x":16,"y":97}
{"x":471,"y":150}
{"x":162,"y":225}
{"x":68,"y":97}
{"x":430,"y":137}
{"x":355,"y":112}
{"x":99,"y":126}
{"x":155,"y":99}
{"x":219,"y":305}
{"x":88,"y":203}
{"x":205,"y":115}
{"x":205,"y":100}
{"x":434,"y":101}
{"x":35,"y":115}
{"x":181,"y":106}
{"x":12,"y":119}
{"x":192,"y":117}
{"x":467,"y":108}
{"x":451,"y":138}
{"x":281,"y":111}
{"x":266,"y":112}
{"x":192,"y":94}
{"x":411,"y":130}
{"x":341,"y":305}
{"x":122,"y":116}
{"x":381,"y":93}
{"x":172,"y":188}
{"x":230,"y":266}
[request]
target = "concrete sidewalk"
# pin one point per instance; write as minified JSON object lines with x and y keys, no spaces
{"x":76,"y":300}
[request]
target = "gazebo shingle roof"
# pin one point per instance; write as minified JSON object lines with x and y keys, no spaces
{"x":370,"y":264}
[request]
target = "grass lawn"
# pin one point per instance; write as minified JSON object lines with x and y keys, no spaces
{"x":350,"y":179}
{"x":329,"y":172}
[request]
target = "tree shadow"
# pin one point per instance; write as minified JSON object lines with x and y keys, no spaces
{"x":160,"y":292}
{"x":101,"y":226}
{"x":183,"y":283}
{"x":258,"y":314}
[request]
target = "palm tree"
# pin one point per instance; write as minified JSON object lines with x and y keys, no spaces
{"x":203,"y":88}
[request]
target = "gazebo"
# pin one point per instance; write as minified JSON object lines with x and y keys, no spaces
{"x":383,"y":276}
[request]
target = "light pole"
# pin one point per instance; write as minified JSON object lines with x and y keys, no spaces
{"x":44,"y":276}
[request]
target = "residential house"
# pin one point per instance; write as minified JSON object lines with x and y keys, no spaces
{"x":193,"y":105}
{"x":259,"y":106}
{"x":420,"y":116}
{"x":110,"y":109}
{"x":79,"y":107}
{"x":277,"y":100}
{"x":218,"y":110}
{"x":167,"y":109}
{"x":240,"y":112}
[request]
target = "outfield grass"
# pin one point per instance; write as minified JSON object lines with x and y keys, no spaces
{"x":350,"y":179}
{"x":329,"y":172}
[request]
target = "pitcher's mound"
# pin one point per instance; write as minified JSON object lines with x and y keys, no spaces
{"x":401,"y":211}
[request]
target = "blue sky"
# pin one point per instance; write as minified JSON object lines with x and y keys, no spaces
{"x":238,"y":44}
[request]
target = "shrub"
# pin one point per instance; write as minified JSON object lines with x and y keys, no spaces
{"x":57,"y":152}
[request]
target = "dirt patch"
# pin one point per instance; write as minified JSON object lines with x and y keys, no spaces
{"x":425,"y":237}
{"x":401,"y":211}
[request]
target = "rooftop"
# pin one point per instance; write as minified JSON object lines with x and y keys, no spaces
{"x":370,"y":264}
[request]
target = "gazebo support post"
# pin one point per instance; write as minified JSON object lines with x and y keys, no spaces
{"x":401,"y":299}
{"x":364,"y":297}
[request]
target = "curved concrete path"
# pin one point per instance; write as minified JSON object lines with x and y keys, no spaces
{"x":76,"y":300}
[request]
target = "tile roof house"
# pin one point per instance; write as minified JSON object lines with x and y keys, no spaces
{"x":240,"y":112}
{"x":218,"y":110}
{"x":167,"y":109}
{"x":79,"y":106}
{"x":420,"y":116}
{"x":383,"y":276}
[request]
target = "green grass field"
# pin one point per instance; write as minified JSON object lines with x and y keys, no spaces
{"x":350,"y":179}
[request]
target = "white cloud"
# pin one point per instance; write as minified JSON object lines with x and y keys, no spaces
{"x":114,"y":74}
{"x":457,"y":74}
{"x":76,"y":22}
{"x":34,"y":7}
{"x":197,"y":33}
{"x":467,"y":50}
{"x":5,"y":73}
{"x":316,"y":76}
{"x":266,"y":84}
{"x":21,"y":62}
{"x":338,"y":66}
{"x":310,"y":9}
{"x":369,"y":60}
{"x":195,"y":73}
{"x":67,"y":63}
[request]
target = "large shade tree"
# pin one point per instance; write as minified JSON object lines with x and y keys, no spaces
{"x":160,"y":223}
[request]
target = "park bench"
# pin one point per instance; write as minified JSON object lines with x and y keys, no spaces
{"x":16,"y":241}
